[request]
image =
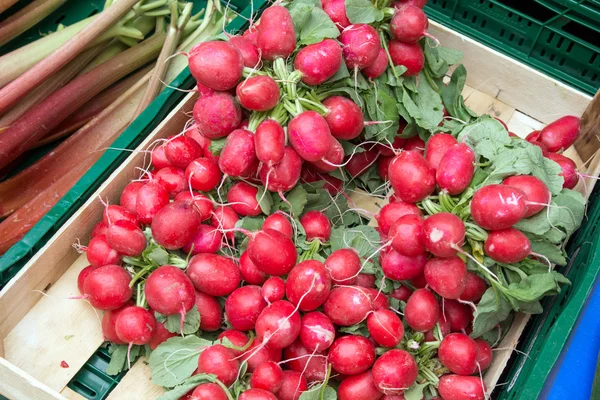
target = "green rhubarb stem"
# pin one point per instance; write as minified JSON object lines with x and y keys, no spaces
{"x":27,"y":17}
{"x":17,"y":89}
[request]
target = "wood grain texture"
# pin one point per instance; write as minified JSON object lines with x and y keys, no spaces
{"x":589,"y":140}
{"x":18,"y":385}
{"x":136,"y":384}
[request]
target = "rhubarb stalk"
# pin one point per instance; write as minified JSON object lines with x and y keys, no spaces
{"x":6,"y":4}
{"x":27,"y":17}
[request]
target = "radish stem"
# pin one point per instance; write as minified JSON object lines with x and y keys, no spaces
{"x":27,"y":17}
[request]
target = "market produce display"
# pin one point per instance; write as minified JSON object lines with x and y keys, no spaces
{"x":239,"y":264}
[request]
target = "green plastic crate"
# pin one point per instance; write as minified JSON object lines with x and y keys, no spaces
{"x":558,"y":37}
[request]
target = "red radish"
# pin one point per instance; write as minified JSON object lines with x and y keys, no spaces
{"x":278,"y":325}
{"x":224,"y":218}
{"x":217,"y":116}
{"x":83,"y":274}
{"x":99,"y":229}
{"x":182,"y":150}
{"x":383,"y":167}
{"x":458,"y":353}
{"x":258,"y":354}
{"x":269,"y":142}
{"x":279,"y":223}
{"x":385,"y":327}
{"x":204,"y":91}
{"x":560,"y":134}
{"x":258,"y":93}
{"x":407,"y":235}
{"x":446,"y":276}
{"x":536,"y":191}
{"x":211,"y":315}
{"x":308,"y":285}
{"x":436,"y":147}
{"x":365,"y":280}
{"x":569,"y":169}
{"x":312,"y":366}
{"x":415,"y":143}
{"x":359,"y":163}
{"x":361,"y":45}
{"x":113,"y":213}
{"x":309,"y":135}
{"x":267,"y":376}
{"x":126,"y":238}
{"x":359,"y":387}
{"x":247,"y":49}
{"x":169,"y":291}
{"x":135,"y":325}
{"x":319,"y":62}
{"x":251,"y":32}
{"x":498,"y":207}
{"x":394,"y":372}
{"x":419,"y":281}
{"x":207,"y":391}
{"x":379,"y":300}
{"x":409,"y":55}
{"x":402,"y":293}
{"x":151,"y":198}
{"x":251,"y":274}
{"x":213,"y":274}
{"x":108,"y":324}
{"x":173,"y":179}
{"x":343,"y":266}
{"x":243,"y":306}
{"x":422,"y":310}
{"x":275,"y":36}
{"x":445,"y":328}
{"x":100,"y":253}
{"x":216,"y":65}
{"x":316,"y":225}
{"x":203,"y":174}
{"x":456,"y":387}
{"x":345,"y":118}
{"x":272,"y":252}
{"x":378,"y":67}
{"x":220,"y":361}
{"x":293,"y":385}
{"x":391,"y":212}
{"x":129,"y":196}
{"x":242,"y":199}
{"x":411,"y":177}
{"x":409,"y":24}
{"x":238,"y":153}
{"x":175,"y":225}
{"x":336,"y":9}
{"x":236,"y":338}
{"x":484,"y":354}
{"x":459,"y":314}
{"x":456,"y":168}
{"x":444,"y":234}
{"x":475,"y":287}
{"x":396,"y":145}
{"x":159,"y":158}
{"x":273,"y":289}
{"x":417,"y":3}
{"x":317,"y":332}
{"x":284,"y":175}
{"x":398,"y":267}
{"x":107,"y":287}
{"x":160,"y":335}
{"x":351,"y":355}
{"x":508,"y":246}
{"x":533,"y":136}
{"x":347,"y":305}
{"x":206,"y":240}
{"x":334,"y":157}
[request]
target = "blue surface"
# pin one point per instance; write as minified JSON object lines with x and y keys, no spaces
{"x":573,"y":375}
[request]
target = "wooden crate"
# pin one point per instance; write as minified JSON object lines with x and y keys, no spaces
{"x":39,"y":328}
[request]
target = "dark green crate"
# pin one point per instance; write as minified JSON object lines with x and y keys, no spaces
{"x":558,"y":37}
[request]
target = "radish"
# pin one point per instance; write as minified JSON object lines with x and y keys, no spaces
{"x":276,"y":37}
{"x":151,"y":198}
{"x":126,"y":238}
{"x":385,"y":327}
{"x":159,"y":157}
{"x":236,"y":338}
{"x":269,"y":142}
{"x":411,"y":177}
{"x":135,"y":325}
{"x":309,"y":135}
{"x":475,"y":287}
{"x":169,"y":291}
{"x":347,"y":305}
{"x":175,"y":225}
{"x":129,"y":196}
{"x":217,"y":116}
{"x":379,"y":300}
{"x":316,"y":225}
{"x":484,"y":354}
{"x":365,"y":280}
{"x":402,"y":293}
{"x":456,"y":387}
{"x":343,"y":266}
{"x":345,"y":118}
{"x":218,"y":360}
{"x":560,"y":134}
{"x":415,"y":143}
{"x":422,"y":310}
{"x":351,"y":355}
{"x":251,"y":274}
{"x":361,"y":45}
{"x":83,"y":274}
{"x":569,"y":169}
{"x":242,"y":197}
{"x":251,"y":32}
{"x":284,"y":175}
{"x":407,"y":235}
{"x":258,"y":93}
{"x":396,"y":145}
{"x":211,"y":315}
{"x":247,"y":49}
{"x":108,"y":323}
{"x":394,"y":372}
{"x":336,"y":10}
{"x":359,"y":163}
{"x":203,"y":174}
{"x":273,"y":289}
{"x":257,"y":394}
{"x":308,"y":285}
{"x":446,"y":276}
{"x":458,"y":353}
{"x":173,"y":179}
{"x":319,"y":62}
{"x":113,"y":213}
{"x":333,"y":158}
{"x":243,"y":306}
{"x":378,"y":67}
{"x":272,"y":252}
{"x":409,"y":24}
{"x":100,"y":253}
{"x":279,"y":223}
{"x":99,"y":229}
{"x":436,"y":147}
{"x":498,"y":207}
{"x":182,"y":150}
{"x":418,"y":281}
{"x":383,"y":167}
{"x":293,"y":385}
{"x":225,"y":218}
{"x":257,"y":354}
{"x":398,"y":267}
{"x":416,"y":3}
{"x":445,"y":328}
{"x":312,"y":366}
{"x":317,"y":332}
{"x":160,"y":335}
{"x":207,"y":391}
{"x":536,"y":191}
{"x":107,"y":287}
{"x":359,"y":387}
{"x":216,"y":65}
{"x":238,"y":153}
{"x":206,"y":240}
{"x":213,"y":274}
{"x":278,"y":325}
{"x":409,"y":55}
{"x":391,"y":212}
{"x":456,"y":168}
{"x":508,"y":246}
{"x":444,"y":234}
{"x":460,"y":315}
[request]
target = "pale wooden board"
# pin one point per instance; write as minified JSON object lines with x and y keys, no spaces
{"x":522,"y":125}
{"x":483,"y":103}
{"x":15,"y":384}
{"x":136,"y":384}
{"x":71,"y":395}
